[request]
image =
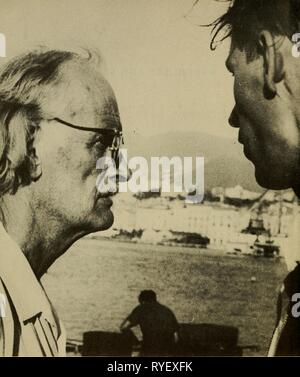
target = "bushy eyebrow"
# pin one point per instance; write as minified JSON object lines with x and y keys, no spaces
{"x":113,"y":121}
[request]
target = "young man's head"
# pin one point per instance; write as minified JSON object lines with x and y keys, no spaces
{"x":266,"y":86}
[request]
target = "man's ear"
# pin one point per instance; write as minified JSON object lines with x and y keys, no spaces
{"x":35,"y":161}
{"x":36,"y":166}
{"x":273,"y":63}
{"x":22,"y":154}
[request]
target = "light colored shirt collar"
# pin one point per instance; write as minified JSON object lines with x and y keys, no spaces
{"x":25,"y":290}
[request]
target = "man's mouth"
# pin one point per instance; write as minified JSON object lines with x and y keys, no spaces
{"x":240,"y":140}
{"x":244,"y":144}
{"x":105,"y":201}
{"x":107,"y":194}
{"x":247,"y":152}
{"x":105,"y":198}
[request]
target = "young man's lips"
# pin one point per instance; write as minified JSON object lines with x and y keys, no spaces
{"x":247,"y":154}
{"x":245,"y":149}
{"x":240,"y":140}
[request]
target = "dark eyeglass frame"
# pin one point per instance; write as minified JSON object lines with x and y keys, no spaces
{"x":117,"y":136}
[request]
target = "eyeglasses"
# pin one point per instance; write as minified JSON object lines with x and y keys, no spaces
{"x":112,"y":138}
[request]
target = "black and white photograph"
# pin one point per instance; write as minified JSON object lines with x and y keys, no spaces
{"x":149,"y":180}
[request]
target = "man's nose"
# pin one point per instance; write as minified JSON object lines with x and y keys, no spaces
{"x":124,"y":173}
{"x":124,"y":177}
{"x":234,"y":119}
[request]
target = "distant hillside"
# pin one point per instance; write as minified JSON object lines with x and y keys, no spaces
{"x":225,"y":164}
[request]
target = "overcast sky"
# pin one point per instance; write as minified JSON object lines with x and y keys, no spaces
{"x":158,"y":60}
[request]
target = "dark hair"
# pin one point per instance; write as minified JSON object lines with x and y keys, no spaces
{"x":147,"y":296}
{"x":245,"y":19}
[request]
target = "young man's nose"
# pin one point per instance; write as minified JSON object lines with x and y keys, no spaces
{"x":234,"y":119}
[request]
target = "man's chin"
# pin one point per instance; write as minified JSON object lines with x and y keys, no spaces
{"x":270,"y":181}
{"x":109,"y":220}
{"x":103,"y":221}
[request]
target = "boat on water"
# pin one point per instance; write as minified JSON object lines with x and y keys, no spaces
{"x":267,"y":249}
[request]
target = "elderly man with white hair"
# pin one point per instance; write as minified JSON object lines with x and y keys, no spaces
{"x":58,"y":116}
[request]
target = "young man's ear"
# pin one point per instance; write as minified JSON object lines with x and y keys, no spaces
{"x":273,"y":62}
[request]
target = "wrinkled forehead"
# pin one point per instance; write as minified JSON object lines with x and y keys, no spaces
{"x":85,"y":96}
{"x":101,"y":95}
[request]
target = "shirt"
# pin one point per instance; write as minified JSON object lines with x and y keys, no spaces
{"x":286,"y":336}
{"x":158,"y":325}
{"x":29,"y":325}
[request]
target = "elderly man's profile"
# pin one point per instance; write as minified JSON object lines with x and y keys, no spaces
{"x":157,"y":322}
{"x":267,"y":115}
{"x":58,"y":115}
